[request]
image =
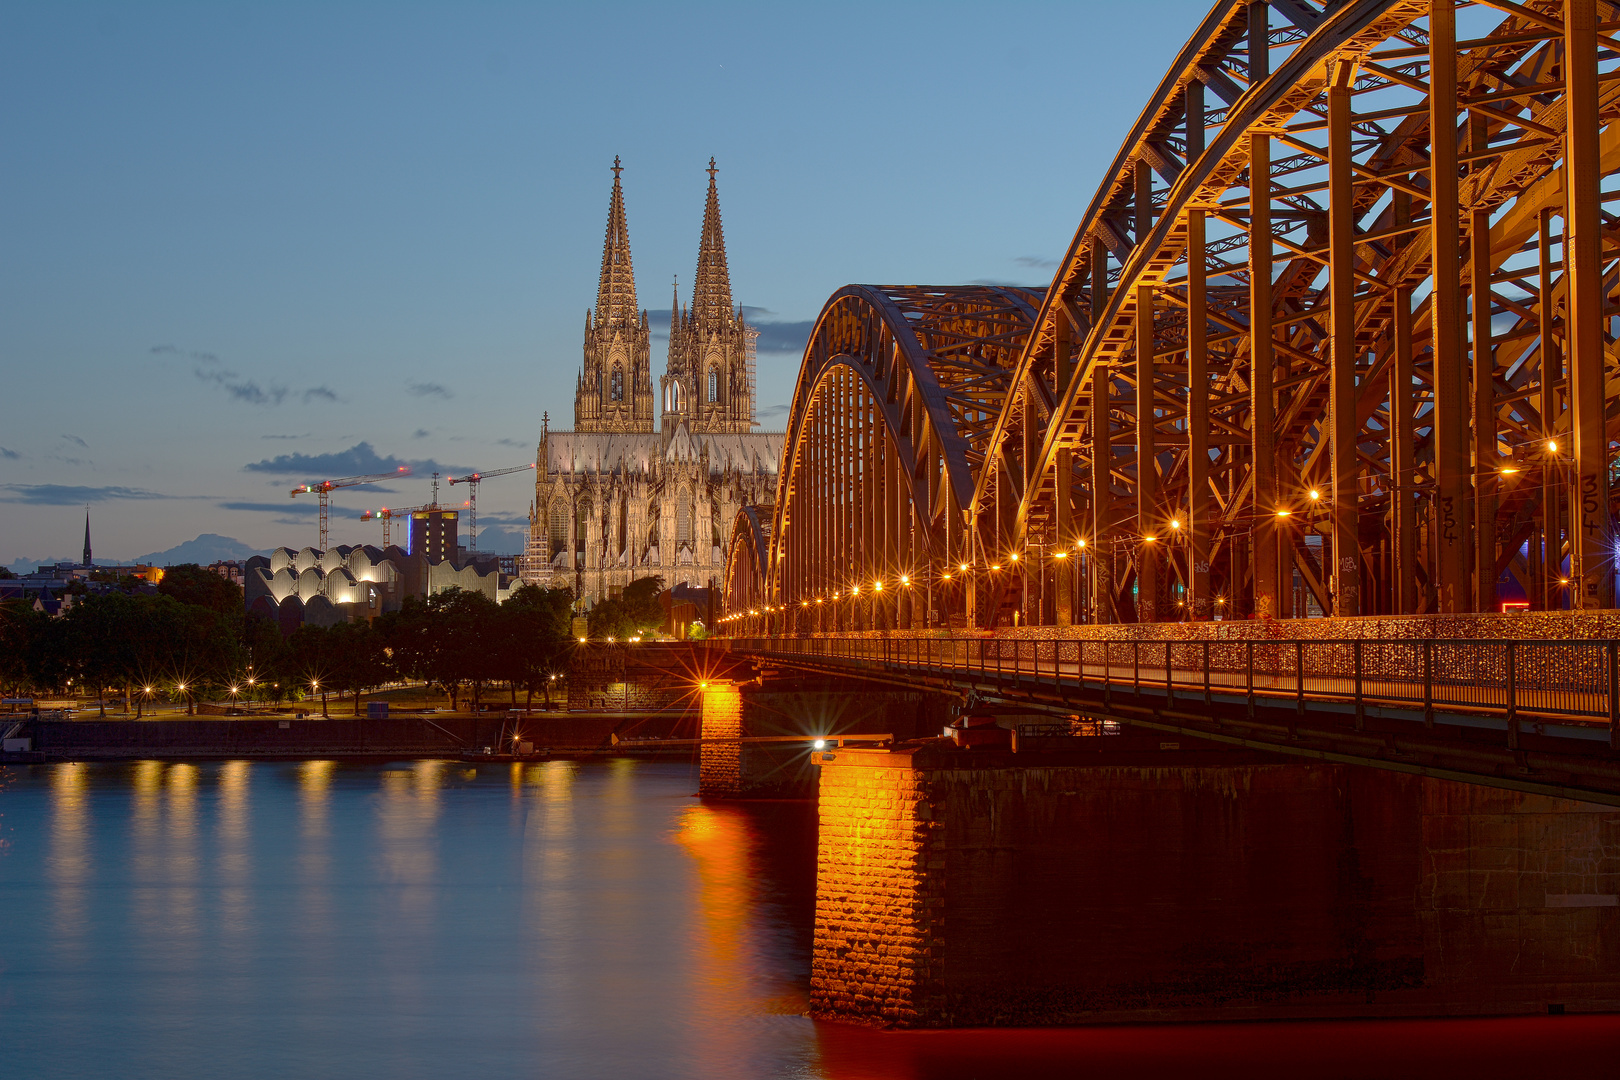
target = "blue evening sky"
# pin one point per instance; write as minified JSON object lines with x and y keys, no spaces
{"x":346,"y":235}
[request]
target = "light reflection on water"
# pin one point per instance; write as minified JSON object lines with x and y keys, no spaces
{"x":559,"y":919}
{"x":413,"y":919}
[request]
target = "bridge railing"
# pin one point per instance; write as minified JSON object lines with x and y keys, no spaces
{"x":1519,"y":680}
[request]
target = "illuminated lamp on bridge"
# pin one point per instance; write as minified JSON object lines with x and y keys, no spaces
{"x":896,"y":353}
{"x":877,"y":586}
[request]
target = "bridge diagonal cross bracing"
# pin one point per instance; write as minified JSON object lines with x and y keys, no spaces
{"x":1338,"y":334}
{"x":1335,"y":335}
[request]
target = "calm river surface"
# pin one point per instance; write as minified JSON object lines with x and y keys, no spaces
{"x":432,"y":919}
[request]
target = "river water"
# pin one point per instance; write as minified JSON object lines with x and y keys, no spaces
{"x":433,"y":919}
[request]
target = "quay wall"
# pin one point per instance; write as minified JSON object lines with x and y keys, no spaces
{"x":964,"y":888}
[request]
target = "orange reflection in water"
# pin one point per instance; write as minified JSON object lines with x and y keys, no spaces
{"x":234,"y":865}
{"x":731,"y":976}
{"x":314,"y":858}
{"x":67,"y":865}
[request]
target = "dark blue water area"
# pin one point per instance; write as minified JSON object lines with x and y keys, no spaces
{"x":563,"y":919}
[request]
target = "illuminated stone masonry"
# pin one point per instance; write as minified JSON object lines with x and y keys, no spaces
{"x":614,"y":499}
{"x":1156,"y":881}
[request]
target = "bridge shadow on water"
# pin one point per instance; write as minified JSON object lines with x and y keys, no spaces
{"x":756,"y":864}
{"x":1571,"y":1046}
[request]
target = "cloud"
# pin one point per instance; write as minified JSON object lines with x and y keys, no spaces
{"x":245,"y":390}
{"x":305,"y":435}
{"x":772,"y":410}
{"x":9,"y":455}
{"x":519,"y":443}
{"x":420,"y":433}
{"x":170,"y":350}
{"x":209,"y":370}
{"x":1036,"y":262}
{"x":429,"y":389}
{"x":71,"y":495}
{"x":358,"y":460}
{"x":76,"y":441}
{"x":299,"y":510}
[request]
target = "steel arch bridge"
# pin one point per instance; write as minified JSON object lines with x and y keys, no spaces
{"x":1341,"y":312}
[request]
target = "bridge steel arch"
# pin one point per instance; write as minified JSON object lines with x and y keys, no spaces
{"x":1407,"y":391}
{"x":894,"y":404}
{"x":748,"y":556}
{"x":1391,"y":379}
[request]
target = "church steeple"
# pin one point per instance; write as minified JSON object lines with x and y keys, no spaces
{"x":87,"y":560}
{"x":711,"y":291}
{"x":616,"y":293}
{"x":614,"y":392}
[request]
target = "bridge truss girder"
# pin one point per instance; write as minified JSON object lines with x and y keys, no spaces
{"x":1428,"y":456}
{"x":899,"y":391}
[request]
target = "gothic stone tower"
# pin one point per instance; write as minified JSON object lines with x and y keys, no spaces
{"x":709,"y":381}
{"x":614,"y":393}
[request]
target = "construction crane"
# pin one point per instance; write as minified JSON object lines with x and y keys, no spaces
{"x":387,"y":516}
{"x":472,"y":480}
{"x":325,"y":488}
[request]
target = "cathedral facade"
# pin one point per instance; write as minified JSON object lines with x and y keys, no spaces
{"x":620,"y":498}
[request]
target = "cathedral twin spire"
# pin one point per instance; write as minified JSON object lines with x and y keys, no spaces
{"x":616,"y":295}
{"x":709,"y":376}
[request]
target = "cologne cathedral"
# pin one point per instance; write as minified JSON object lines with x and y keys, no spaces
{"x":618,"y":498}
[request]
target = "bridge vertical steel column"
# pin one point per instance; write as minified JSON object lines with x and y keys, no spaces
{"x":1346,"y":462}
{"x":1149,"y":538}
{"x":1485,"y":477}
{"x":1593,"y":545}
{"x":1102,"y":454}
{"x":1063,"y":478}
{"x":1198,"y":599}
{"x":1445,"y":321}
{"x":1552,"y":538}
{"x":1263,"y":536}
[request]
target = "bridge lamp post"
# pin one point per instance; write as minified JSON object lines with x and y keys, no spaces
{"x":1170,"y":557}
{"x":1023,"y":585}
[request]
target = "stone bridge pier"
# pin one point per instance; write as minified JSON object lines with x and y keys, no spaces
{"x":786,"y":715}
{"x":1152,"y":879}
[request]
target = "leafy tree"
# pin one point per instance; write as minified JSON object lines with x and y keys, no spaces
{"x":636,"y":609}
{"x":447,"y":639}
{"x":193,"y":584}
{"x":359,"y":660}
{"x":307,"y":661}
{"x":532,"y":639}
{"x":640,"y":599}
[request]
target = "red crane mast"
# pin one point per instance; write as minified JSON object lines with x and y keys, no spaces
{"x":472,"y":481}
{"x":325,"y":488}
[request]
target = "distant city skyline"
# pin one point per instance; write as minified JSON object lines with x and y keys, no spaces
{"x":252,"y":247}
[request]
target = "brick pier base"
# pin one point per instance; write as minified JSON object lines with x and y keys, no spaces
{"x":1147,"y":882}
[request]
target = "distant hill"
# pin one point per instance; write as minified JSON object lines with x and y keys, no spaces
{"x":207,"y":548}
